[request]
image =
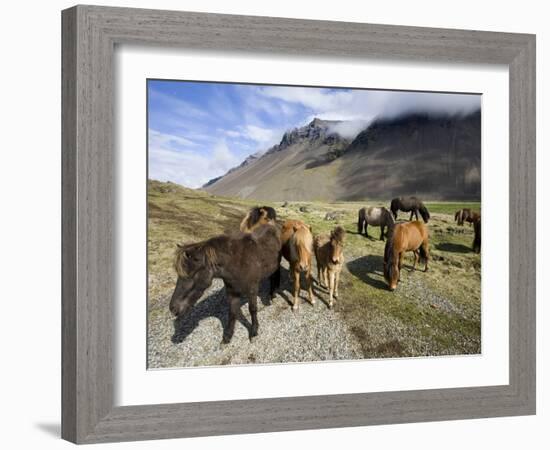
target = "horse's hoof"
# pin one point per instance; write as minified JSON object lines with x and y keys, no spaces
{"x":294,"y":307}
{"x":312,"y":302}
{"x":330,"y":305}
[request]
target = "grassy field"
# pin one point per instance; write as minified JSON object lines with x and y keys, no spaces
{"x":433,"y":313}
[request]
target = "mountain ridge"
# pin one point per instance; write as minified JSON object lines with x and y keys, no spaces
{"x":437,"y":156}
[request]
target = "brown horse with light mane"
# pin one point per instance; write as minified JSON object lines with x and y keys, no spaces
{"x":405,"y":237}
{"x":329,"y":252}
{"x":466,"y":215}
{"x":259,"y":215}
{"x":297,"y":249}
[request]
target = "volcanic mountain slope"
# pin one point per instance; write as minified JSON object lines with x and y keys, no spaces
{"x":437,"y":158}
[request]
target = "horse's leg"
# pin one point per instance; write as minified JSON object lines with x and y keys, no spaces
{"x":234,"y":311}
{"x":416,"y":259}
{"x":275,"y":281}
{"x":382,"y":232}
{"x":253,"y":309}
{"x":325,"y":276}
{"x":296,"y":274}
{"x":366,"y":229}
{"x":411,"y":218}
{"x":330,"y":288}
{"x":426,"y":253}
{"x":320,"y":275}
{"x":336,"y":282}
{"x":399,"y":264}
{"x":309,"y":281}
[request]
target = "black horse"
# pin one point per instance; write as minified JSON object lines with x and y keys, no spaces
{"x":240,"y":260}
{"x":412,"y":204}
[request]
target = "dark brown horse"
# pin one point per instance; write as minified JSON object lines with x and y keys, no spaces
{"x":374,"y":216}
{"x":476,"y":246}
{"x":241,"y":261}
{"x":259,"y":215}
{"x":404,"y":237}
{"x":412,"y":204}
{"x":329,"y":252}
{"x":466,"y":215}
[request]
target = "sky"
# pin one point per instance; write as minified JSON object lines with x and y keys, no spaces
{"x":198,"y":131}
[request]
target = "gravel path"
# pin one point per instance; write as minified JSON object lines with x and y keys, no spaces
{"x":313,"y":333}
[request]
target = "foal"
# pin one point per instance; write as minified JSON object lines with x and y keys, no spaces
{"x":329,"y":252}
{"x":297,"y":249}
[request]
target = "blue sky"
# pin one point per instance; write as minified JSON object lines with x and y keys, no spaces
{"x":198,"y":131}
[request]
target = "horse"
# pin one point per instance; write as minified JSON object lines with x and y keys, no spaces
{"x":241,"y":260}
{"x":375,"y":216}
{"x":259,"y":215}
{"x":412,"y":204}
{"x":466,"y":215}
{"x":476,"y":245}
{"x":297,"y":249}
{"x":329,"y":253}
{"x":405,"y":237}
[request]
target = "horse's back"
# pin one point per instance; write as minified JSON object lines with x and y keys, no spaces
{"x":410,"y":235}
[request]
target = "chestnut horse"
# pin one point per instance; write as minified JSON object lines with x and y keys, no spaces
{"x":329,"y":252}
{"x":405,"y":237}
{"x":297,"y":249}
{"x":240,"y":260}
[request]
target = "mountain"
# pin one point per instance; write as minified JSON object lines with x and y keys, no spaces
{"x":435,"y":157}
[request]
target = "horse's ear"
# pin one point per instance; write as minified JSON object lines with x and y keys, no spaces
{"x":310,"y":229}
{"x":295,"y":227}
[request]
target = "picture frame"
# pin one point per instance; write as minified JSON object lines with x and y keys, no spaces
{"x":89,"y":37}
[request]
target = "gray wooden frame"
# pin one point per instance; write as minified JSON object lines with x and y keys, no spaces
{"x":89,"y":37}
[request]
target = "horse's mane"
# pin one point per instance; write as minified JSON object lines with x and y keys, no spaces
{"x":303,"y":238}
{"x":182,"y":254}
{"x":255,"y":215}
{"x":338,"y":234}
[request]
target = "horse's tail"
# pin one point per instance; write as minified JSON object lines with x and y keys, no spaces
{"x":360,"y":220}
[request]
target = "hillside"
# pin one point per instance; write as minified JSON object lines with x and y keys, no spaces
{"x":438,"y":158}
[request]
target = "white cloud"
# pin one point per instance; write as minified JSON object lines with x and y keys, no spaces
{"x":156,"y":138}
{"x":349,"y":129}
{"x":364,"y":105}
{"x":171,"y":160}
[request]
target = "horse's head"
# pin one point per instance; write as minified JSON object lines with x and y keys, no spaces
{"x":259,"y":215}
{"x":302,"y":242}
{"x":337,"y":245}
{"x":391,"y":271}
{"x":424,"y":213}
{"x":194,"y":265}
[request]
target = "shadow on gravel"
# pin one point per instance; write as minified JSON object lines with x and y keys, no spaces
{"x":365,"y":266}
{"x":212,"y":306}
{"x":455,"y":248}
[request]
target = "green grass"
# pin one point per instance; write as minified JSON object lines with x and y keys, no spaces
{"x":432,"y":313}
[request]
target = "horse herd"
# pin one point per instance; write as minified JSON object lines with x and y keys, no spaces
{"x":243,"y":259}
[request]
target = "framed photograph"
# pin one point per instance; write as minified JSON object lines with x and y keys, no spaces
{"x":275,"y":224}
